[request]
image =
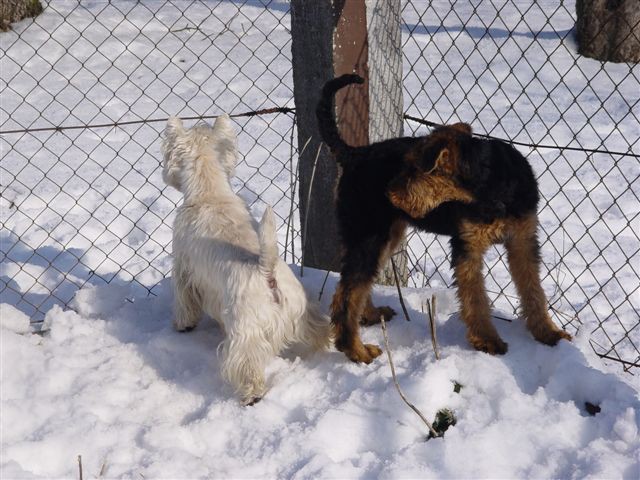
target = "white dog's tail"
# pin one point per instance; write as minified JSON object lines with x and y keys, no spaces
{"x":268,"y":244}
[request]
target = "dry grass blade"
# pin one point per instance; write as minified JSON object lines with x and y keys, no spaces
{"x":306,"y":212}
{"x":326,"y":277}
{"x":431,"y":309}
{"x":103,"y":469}
{"x":397,"y":280}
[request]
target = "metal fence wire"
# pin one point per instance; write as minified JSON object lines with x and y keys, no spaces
{"x":86,"y":88}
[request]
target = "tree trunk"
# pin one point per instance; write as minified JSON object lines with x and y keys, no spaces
{"x":15,"y":10}
{"x":609,"y":30}
{"x":312,"y":39}
{"x":330,"y":38}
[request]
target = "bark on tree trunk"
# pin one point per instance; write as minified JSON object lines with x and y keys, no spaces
{"x":332,"y":37}
{"x":15,"y":10}
{"x":312,"y":33}
{"x":609,"y":30}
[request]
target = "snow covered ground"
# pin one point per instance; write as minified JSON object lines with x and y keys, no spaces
{"x":109,"y":380}
{"x":112,"y":382}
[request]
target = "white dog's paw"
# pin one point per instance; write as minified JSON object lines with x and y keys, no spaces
{"x":185,"y":329}
{"x":252,"y":393}
{"x":250,"y":402}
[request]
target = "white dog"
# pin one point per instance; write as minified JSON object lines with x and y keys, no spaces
{"x":227,"y":265}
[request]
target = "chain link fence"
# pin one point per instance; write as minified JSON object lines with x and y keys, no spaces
{"x":87,"y":86}
{"x":511,"y":70}
{"x":86,"y":90}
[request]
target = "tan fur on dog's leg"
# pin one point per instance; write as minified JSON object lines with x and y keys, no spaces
{"x":522,"y":254}
{"x":371,"y":314}
{"x":474,"y":303}
{"x":346,"y":311}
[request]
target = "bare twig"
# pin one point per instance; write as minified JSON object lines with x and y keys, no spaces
{"x":294,"y":182}
{"x":186,"y":27}
{"x":324,"y":282}
{"x":431,"y":308}
{"x":103,"y":469}
{"x":395,"y":276}
{"x":557,"y":288}
{"x":326,"y":277}
{"x":80,"y":467}
{"x":227,"y":28}
{"x":567,"y":316}
{"x":395,"y":380}
{"x":504,"y":319}
{"x":306,"y":210}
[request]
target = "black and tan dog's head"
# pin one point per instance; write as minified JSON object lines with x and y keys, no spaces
{"x":431,"y":172}
{"x":439,"y":152}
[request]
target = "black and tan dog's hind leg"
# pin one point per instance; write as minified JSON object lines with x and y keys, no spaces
{"x":371,"y":314}
{"x":349,"y":302}
{"x":351,"y":305}
{"x":523,"y":255}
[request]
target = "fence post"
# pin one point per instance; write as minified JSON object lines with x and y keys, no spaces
{"x":329,"y":38}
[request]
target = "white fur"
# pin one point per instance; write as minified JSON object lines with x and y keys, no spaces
{"x":226,"y":265}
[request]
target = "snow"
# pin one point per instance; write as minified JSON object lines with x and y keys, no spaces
{"x":111,"y":381}
{"x":108,"y":379}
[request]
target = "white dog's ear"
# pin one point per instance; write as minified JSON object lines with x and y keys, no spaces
{"x":174,"y":126}
{"x":226,"y":143}
{"x":173,"y":132}
{"x":223,"y":123}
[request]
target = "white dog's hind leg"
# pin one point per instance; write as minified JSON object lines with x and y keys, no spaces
{"x":246,"y":354}
{"x":187,"y":305}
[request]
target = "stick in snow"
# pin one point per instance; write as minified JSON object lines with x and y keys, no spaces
{"x":431,"y":308}
{"x":395,"y":380}
{"x":395,"y":276}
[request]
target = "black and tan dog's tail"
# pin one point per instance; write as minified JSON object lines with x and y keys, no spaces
{"x":326,"y":116}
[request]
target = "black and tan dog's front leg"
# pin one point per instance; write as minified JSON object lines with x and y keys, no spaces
{"x":475,"y":308}
{"x":523,"y":255}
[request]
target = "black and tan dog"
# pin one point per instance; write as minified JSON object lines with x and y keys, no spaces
{"x":478,"y":192}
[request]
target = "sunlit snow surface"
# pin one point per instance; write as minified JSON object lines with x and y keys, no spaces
{"x":112,"y":381}
{"x":108,"y":379}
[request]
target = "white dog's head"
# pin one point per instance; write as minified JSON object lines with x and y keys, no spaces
{"x":188,"y":152}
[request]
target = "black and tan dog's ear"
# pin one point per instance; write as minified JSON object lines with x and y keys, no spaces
{"x":446,"y":163}
{"x":417,"y":192}
{"x":424,"y":156}
{"x":442,"y":160}
{"x":462,"y":128}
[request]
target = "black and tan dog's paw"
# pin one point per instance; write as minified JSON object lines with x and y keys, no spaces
{"x":490,"y":345}
{"x":372,"y":316}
